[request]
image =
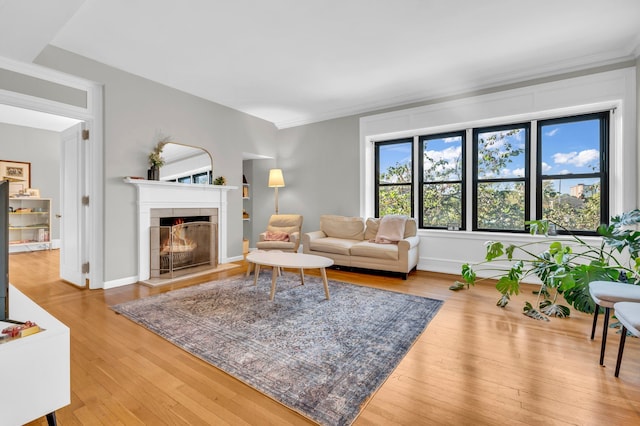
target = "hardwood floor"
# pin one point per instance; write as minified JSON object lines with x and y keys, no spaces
{"x":474,"y":364}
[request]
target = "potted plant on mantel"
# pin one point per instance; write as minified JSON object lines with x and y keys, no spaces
{"x":566,"y":267}
{"x":156,"y":161}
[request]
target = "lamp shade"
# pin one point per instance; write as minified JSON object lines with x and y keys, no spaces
{"x":276,"y":180}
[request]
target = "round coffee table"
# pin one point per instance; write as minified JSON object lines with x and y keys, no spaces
{"x":289,"y":260}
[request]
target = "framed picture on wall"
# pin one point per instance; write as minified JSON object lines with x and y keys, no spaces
{"x":18,"y":173}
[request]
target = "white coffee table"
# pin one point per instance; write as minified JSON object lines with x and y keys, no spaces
{"x":289,"y":260}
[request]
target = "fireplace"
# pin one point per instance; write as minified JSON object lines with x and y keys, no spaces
{"x":160,"y":195}
{"x":180,"y":243}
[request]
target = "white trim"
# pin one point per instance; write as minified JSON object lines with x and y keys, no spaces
{"x":164,"y":195}
{"x":120,"y":282}
{"x":93,"y":116}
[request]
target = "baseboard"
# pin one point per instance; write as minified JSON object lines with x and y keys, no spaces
{"x":120,"y":282}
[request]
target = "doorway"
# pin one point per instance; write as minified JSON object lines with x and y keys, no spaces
{"x":90,"y":255}
{"x":39,"y":141}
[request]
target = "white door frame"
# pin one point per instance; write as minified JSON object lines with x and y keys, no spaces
{"x":93,"y":116}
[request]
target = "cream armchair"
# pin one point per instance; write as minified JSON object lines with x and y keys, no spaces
{"x":279,"y":225}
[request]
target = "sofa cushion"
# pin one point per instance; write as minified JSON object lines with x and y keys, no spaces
{"x":351,"y":228}
{"x":410,"y":228}
{"x":375,"y":251}
{"x":288,"y":223}
{"x":333,"y":245}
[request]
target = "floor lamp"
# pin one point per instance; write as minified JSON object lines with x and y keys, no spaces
{"x":276,"y":180}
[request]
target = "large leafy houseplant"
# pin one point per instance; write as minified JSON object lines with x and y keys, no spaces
{"x":565,"y":267}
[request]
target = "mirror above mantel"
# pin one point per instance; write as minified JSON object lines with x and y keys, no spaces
{"x":186,"y":163}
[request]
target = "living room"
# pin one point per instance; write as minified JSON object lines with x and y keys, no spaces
{"x":321,"y":156}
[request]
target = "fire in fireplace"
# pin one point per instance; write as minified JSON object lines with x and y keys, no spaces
{"x":182,"y":243}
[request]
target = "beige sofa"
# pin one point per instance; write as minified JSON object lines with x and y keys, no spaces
{"x":348,"y":241}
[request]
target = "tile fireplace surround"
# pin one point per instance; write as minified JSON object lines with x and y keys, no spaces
{"x":171,"y":195}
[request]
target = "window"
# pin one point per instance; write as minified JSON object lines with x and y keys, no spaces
{"x":442,"y":180}
{"x":501,"y":175}
{"x":571,"y":171}
{"x":570,"y":185}
{"x":394,"y":177}
{"x":201,"y":178}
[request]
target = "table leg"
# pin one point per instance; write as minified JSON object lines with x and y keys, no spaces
{"x":302,"y":275}
{"x":51,"y":419}
{"x":274,"y":276}
{"x":323,"y":272}
{"x":250,"y":266}
{"x":256,"y":272}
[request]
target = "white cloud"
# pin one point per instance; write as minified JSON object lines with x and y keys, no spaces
{"x":518,"y":172}
{"x":564,"y":172}
{"x":545,"y":167}
{"x":450,"y":155}
{"x":580,"y":159}
{"x":452,"y":139}
{"x":552,"y":132}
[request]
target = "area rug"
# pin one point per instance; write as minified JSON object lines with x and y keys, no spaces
{"x":321,"y":358}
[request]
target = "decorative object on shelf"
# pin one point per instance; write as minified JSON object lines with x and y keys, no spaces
{"x":156,"y":160}
{"x":276,"y":180}
{"x":33,"y":192}
{"x":565,"y":268}
{"x":18,"y":173}
{"x":220,"y":180}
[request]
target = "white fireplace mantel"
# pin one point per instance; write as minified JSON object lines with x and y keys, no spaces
{"x":154,"y":194}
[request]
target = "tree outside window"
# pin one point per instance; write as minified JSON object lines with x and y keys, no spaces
{"x":501,"y":172}
{"x":394,"y":177}
{"x":570,"y":171}
{"x":442,"y":180}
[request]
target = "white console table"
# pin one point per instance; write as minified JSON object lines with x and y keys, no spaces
{"x":35,"y":373}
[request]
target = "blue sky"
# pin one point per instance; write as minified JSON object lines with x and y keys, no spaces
{"x":566,"y":148}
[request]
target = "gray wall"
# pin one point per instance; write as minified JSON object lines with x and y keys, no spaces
{"x":136,"y":110}
{"x":320,"y":161}
{"x":41,"y":148}
{"x":321,"y":167}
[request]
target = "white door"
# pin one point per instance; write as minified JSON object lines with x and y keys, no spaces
{"x":72,"y":212}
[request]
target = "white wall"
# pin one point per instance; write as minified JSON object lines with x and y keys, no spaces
{"x":446,"y":251}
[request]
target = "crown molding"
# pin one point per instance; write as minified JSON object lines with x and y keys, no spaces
{"x":622,"y":58}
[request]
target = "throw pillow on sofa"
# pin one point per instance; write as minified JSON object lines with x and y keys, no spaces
{"x":391,"y":229}
{"x":373,"y":223}
{"x":276,"y":236}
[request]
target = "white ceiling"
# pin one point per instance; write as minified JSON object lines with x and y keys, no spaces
{"x":293,"y":62}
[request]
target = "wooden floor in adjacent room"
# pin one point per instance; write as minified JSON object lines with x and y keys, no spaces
{"x":475,"y":363}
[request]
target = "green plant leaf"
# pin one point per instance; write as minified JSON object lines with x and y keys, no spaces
{"x":507,"y":285}
{"x":553,"y":309}
{"x":538,"y":227}
{"x":468,"y":274}
{"x":529,"y":311}
{"x":494,"y":249}
{"x":458,"y":285}
{"x":509,"y":251}
{"x":504,"y":300}
{"x":578,"y":295}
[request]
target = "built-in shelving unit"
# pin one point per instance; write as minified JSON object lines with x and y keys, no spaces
{"x":246,"y":210}
{"x":29,"y":223}
{"x":245,"y":196}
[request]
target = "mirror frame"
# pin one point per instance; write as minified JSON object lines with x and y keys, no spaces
{"x":164,"y":143}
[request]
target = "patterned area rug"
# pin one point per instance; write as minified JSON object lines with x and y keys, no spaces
{"x":322,"y":358}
